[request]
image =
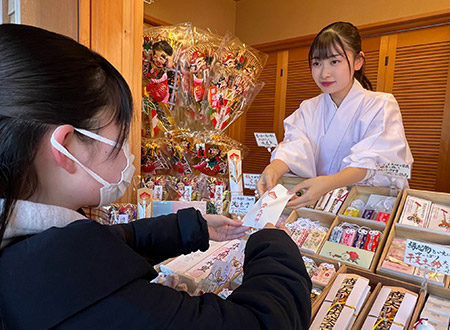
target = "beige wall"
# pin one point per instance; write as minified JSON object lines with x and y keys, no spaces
{"x":260,"y":21}
{"x":218,"y":15}
{"x":60,"y":16}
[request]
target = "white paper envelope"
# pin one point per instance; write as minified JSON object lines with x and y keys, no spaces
{"x":268,"y":208}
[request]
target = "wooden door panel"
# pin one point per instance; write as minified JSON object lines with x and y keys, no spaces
{"x":260,"y":118}
{"x":420,"y":83}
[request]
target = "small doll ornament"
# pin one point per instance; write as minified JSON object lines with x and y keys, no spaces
{"x":214,"y":163}
{"x":153,"y":161}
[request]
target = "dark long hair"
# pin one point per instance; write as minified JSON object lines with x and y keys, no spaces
{"x":341,"y":36}
{"x":47,"y":79}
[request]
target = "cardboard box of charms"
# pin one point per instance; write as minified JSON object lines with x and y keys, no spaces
{"x":376,"y":283}
{"x":404,"y":231}
{"x":331,"y":220}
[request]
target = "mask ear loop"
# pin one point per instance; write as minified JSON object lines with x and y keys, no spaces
{"x":66,"y":152}
{"x":97,"y":137}
{"x":110,"y":142}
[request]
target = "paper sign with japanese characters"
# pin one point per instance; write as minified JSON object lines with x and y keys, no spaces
{"x":395,"y":170}
{"x":250,"y":180}
{"x":241,"y":204}
{"x":266,"y":140}
{"x":435,"y":258}
{"x":235,"y":171}
{"x":268,"y":208}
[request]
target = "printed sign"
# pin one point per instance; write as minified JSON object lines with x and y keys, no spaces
{"x":250,"y":180}
{"x":395,"y":170}
{"x":241,"y":204}
{"x":433,"y":257}
{"x":266,"y":140}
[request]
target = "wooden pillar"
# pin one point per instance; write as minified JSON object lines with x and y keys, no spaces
{"x":114,"y":29}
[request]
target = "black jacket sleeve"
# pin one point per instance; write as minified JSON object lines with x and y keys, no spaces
{"x":275,"y":293}
{"x":167,"y":236}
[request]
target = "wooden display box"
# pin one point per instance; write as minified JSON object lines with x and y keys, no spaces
{"x":375,"y":225}
{"x":364,"y":192}
{"x":376,"y":283}
{"x":415,"y":233}
{"x":318,"y":301}
{"x":325,"y":219}
{"x":435,"y":291}
{"x":435,"y":197}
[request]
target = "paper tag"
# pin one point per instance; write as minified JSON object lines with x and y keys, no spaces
{"x":235,"y":171}
{"x":433,"y":257}
{"x":218,"y":197}
{"x":123,"y":218}
{"x":157,"y":193}
{"x":395,"y":170}
{"x":144,"y":199}
{"x":241,"y":204}
{"x":268,"y":208}
{"x":250,"y":180}
{"x":266,"y":140}
{"x":187,"y":195}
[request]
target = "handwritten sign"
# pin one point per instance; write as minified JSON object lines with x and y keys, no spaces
{"x":395,"y":170}
{"x":266,"y":140}
{"x":241,"y":204}
{"x":250,"y":180}
{"x":435,"y":258}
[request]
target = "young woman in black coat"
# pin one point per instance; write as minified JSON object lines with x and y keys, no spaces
{"x":65,"y":114}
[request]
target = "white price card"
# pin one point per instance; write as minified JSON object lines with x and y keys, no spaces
{"x":435,"y":258}
{"x":123,"y":218}
{"x":266,"y":140}
{"x":395,"y":170}
{"x":241,"y":204}
{"x":250,"y":180}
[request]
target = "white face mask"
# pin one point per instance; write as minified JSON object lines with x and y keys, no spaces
{"x":110,"y":192}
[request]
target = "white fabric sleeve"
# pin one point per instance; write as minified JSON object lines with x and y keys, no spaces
{"x":296,"y":150}
{"x":383,"y":142}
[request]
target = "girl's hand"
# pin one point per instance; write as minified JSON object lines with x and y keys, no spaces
{"x":222,"y":228}
{"x":279,"y":226}
{"x":270,"y":175}
{"x":313,"y":189}
{"x":267,"y":180}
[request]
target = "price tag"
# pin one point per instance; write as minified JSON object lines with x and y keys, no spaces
{"x":266,"y":140}
{"x":433,"y":257}
{"x":395,"y":170}
{"x":241,"y":204}
{"x":250,"y":180}
{"x":123,"y":218}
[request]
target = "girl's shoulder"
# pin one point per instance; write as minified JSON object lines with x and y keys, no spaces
{"x":377,"y":96}
{"x":312,"y":103}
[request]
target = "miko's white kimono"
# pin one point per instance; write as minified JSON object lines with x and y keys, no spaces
{"x":322,"y":139}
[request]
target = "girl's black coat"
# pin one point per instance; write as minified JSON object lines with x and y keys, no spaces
{"x":89,"y":276}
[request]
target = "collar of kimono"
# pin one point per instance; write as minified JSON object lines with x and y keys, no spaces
{"x":339,"y":124}
{"x":29,"y":218}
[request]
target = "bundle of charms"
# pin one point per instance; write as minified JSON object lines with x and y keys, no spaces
{"x":195,"y":85}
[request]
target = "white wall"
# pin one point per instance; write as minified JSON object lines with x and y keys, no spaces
{"x":261,"y":21}
{"x":217,"y":15}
